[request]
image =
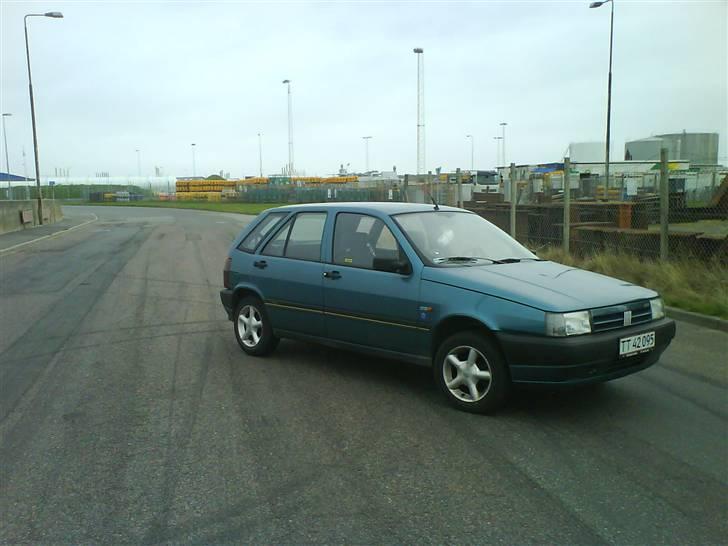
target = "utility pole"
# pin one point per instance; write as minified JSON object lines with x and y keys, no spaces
{"x":139,"y":164}
{"x":498,"y":151}
{"x":420,"y":110}
{"x":459,"y":178}
{"x":7,"y":161}
{"x":366,"y":152}
{"x":290,"y":129}
{"x":609,"y":87}
{"x":194,"y":166}
{"x":472,"y":152}
{"x":260,"y":154}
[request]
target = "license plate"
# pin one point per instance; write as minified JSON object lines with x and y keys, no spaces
{"x":636,"y":344}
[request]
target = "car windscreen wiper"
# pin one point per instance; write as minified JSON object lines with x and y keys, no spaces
{"x":516,"y":260}
{"x":461,"y":259}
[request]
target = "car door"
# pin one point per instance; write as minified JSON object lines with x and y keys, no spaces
{"x":289,"y":274}
{"x":371,"y":290}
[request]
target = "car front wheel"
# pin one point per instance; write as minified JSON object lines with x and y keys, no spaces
{"x":253,"y":329}
{"x":471,"y":372}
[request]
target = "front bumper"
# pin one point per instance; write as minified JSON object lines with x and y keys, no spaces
{"x":226,"y":297}
{"x":589,"y":358}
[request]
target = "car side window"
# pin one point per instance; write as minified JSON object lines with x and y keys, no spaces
{"x":259,"y":232}
{"x":300,"y":239}
{"x":277,"y":245}
{"x":366,"y":242}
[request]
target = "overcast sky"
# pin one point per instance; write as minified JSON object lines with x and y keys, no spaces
{"x":113,"y":77}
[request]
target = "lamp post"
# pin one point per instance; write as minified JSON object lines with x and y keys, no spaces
{"x":503,"y":137}
{"x":194,"y":167}
{"x":260,"y":154}
{"x":290,"y":129}
{"x":609,"y":87}
{"x":420,"y":110}
{"x":139,"y":163}
{"x":54,"y":15}
{"x":7,"y":161}
{"x":366,"y":152}
{"x":472,"y":151}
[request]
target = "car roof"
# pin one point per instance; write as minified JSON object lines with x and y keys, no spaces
{"x":367,"y":206}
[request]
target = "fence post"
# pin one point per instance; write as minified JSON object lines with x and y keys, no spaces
{"x":664,"y":204}
{"x":459,"y":179}
{"x":514,"y":196}
{"x":567,"y":203}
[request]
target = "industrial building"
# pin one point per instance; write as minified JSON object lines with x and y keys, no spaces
{"x":697,"y":148}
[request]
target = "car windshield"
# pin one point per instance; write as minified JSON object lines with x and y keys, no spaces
{"x":444,"y":237}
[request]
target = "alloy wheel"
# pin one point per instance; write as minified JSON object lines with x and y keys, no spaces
{"x":467,"y":373}
{"x":250,"y":326}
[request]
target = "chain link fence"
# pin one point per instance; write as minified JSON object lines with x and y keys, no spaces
{"x":655,"y":215}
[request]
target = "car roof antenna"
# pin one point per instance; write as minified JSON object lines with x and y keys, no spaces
{"x":437,"y":207}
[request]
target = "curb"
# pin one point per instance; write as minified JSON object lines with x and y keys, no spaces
{"x":705,"y":321}
{"x":50,"y":236}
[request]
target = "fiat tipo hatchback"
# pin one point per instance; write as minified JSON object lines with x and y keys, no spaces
{"x":439,"y":286}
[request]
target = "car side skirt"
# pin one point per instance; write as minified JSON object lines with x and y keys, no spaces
{"x":380,"y":353}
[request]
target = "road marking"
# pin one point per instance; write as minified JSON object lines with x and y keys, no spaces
{"x":52,"y":235}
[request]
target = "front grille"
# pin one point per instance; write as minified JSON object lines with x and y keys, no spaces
{"x":611,"y":318}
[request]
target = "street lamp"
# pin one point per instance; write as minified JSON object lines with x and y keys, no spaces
{"x":503,"y":137}
{"x":609,"y":87}
{"x":139,"y":164}
{"x":472,"y":151}
{"x":366,"y":152}
{"x":194,"y":167}
{"x":290,"y":130}
{"x":7,"y":161}
{"x":420,"y":109}
{"x":54,"y":15}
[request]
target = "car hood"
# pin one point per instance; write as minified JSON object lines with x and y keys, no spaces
{"x":545,"y":285}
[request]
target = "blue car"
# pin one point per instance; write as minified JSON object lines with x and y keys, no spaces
{"x":439,"y":286}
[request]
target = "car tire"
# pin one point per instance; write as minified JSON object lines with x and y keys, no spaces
{"x":471,"y":372}
{"x":253,"y":328}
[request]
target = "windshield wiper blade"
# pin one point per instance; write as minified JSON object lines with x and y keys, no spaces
{"x":462,"y":259}
{"x":516,"y":260}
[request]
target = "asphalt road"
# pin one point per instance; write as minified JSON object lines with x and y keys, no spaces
{"x":128,"y":414}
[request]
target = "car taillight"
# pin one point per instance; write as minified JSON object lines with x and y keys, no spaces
{"x":226,"y":272}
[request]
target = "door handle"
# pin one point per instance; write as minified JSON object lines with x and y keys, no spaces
{"x":260,"y":264}
{"x":333,"y":275}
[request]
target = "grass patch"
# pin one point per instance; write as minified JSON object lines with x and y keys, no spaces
{"x":240,"y":208}
{"x":696,"y":286}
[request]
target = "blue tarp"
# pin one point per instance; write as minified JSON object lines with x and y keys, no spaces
{"x":551,"y":167}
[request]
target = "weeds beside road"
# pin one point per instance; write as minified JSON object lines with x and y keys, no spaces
{"x":697,"y":286}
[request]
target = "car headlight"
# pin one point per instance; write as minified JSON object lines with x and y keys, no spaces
{"x":658,"y":308}
{"x":567,"y":324}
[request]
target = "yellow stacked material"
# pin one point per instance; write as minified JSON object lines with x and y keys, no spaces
{"x":339,"y":180}
{"x":611,"y":194}
{"x":255,"y":180}
{"x":109,"y":196}
{"x":306,"y":179}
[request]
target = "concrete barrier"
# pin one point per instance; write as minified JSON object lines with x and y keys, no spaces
{"x":17,"y":215}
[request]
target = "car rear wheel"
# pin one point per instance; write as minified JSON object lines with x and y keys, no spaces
{"x":471,"y":373}
{"x":253,"y":329}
